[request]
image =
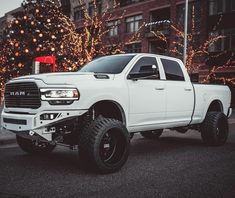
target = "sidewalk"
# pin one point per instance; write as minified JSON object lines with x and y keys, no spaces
{"x":7,"y":137}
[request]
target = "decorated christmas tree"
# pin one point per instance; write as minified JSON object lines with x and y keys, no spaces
{"x":40,"y":29}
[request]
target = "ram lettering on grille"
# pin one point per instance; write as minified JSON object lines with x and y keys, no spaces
{"x":22,"y":95}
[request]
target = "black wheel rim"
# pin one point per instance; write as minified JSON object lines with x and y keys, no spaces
{"x":112,"y":146}
{"x":108,"y":146}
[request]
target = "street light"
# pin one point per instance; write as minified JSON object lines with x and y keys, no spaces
{"x":185,"y":32}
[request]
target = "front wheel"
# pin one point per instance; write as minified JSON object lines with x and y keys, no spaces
{"x":155,"y":134}
{"x":105,"y":143}
{"x":33,"y":147}
{"x":214,"y":129}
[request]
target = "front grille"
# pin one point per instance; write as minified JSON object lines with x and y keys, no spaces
{"x":22,"y":95}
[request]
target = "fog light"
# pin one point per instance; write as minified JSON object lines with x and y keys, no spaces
{"x":60,"y":102}
{"x":48,"y":116}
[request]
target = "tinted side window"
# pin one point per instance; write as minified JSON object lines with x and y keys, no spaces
{"x":172,"y":70}
{"x":145,"y":65}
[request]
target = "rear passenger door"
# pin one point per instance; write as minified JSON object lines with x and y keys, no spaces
{"x":179,"y":94}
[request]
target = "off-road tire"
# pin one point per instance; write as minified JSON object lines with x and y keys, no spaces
{"x":30,"y":146}
{"x":131,"y":136}
{"x":104,"y":143}
{"x":154,"y":134}
{"x":214,"y":129}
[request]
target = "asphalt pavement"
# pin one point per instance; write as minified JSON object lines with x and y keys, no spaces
{"x":176,"y":165}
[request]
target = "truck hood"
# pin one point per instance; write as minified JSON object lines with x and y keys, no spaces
{"x":66,"y":78}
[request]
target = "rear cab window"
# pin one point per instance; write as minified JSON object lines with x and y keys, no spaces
{"x":172,"y":70}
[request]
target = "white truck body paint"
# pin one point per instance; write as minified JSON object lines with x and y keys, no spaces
{"x":147,"y":104}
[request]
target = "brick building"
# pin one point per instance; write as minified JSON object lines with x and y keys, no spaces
{"x":211,"y":17}
{"x":158,"y":13}
{"x":7,"y":18}
{"x":207,"y":14}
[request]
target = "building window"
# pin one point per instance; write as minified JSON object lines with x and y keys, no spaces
{"x":133,"y":48}
{"x":129,"y":2}
{"x":95,"y":6}
{"x":193,"y":18}
{"x":79,"y":13}
{"x":91,"y":9}
{"x":113,"y":28}
{"x":221,"y":6}
{"x":160,"y":20}
{"x":226,"y":43}
{"x":133,"y":23}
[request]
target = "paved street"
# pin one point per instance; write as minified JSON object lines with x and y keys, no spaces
{"x":177,"y":165}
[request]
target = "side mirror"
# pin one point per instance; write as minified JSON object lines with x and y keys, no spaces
{"x":154,"y":67}
{"x":145,"y":72}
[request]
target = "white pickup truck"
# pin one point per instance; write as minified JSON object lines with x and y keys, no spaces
{"x":101,"y":106}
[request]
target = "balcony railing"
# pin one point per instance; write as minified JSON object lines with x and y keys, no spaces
{"x":157,"y":28}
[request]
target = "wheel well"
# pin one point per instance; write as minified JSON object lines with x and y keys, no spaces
{"x":110,"y":109}
{"x":216,"y":105}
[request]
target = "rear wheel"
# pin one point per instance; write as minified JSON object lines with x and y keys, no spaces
{"x":155,"y":134}
{"x":214,"y":129}
{"x":33,"y":147}
{"x":105,"y":143}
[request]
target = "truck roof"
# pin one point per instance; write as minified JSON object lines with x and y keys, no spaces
{"x":147,"y":54}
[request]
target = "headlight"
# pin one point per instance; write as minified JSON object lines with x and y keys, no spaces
{"x":59,"y":94}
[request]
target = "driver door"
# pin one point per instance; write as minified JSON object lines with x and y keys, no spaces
{"x":147,"y":104}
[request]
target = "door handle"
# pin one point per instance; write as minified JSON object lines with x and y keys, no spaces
{"x":159,"y":88}
{"x":188,"y":89}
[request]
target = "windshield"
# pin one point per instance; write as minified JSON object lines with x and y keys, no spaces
{"x":107,"y":64}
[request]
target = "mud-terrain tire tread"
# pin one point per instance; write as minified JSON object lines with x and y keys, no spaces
{"x":209,"y":128}
{"x":88,"y":143}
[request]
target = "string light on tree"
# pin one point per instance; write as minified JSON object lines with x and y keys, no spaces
{"x":195,"y":50}
{"x":32,"y":37}
{"x":35,"y":32}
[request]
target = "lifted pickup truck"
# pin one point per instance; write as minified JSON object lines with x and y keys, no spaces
{"x":101,"y":106}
